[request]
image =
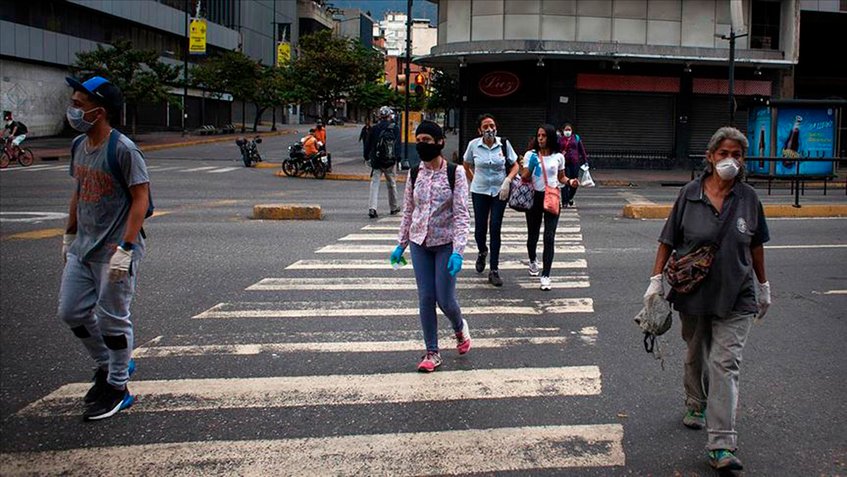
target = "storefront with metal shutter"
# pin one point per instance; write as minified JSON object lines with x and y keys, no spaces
{"x":708,"y":113}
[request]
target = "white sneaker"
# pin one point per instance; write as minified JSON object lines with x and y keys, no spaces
{"x":534,"y":268}
{"x":546,"y":283}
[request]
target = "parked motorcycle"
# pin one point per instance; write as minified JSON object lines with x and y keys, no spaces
{"x":297,"y":164}
{"x":249,"y":151}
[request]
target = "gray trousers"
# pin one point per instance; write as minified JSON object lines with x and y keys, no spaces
{"x":712,"y":365}
{"x":97,"y":312}
{"x":391,"y":179}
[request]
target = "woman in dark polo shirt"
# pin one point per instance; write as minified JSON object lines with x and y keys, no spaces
{"x":716,"y":315}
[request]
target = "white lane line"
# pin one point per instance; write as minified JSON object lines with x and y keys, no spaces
{"x":470,"y":249}
{"x":359,"y":309}
{"x":447,"y":453}
{"x":560,"y":236}
{"x":225,"y":169}
{"x":332,"y":347}
{"x":195,"y":169}
{"x":29,"y":168}
{"x":506,"y":220}
{"x":48,"y":168}
{"x":634,"y":198}
{"x":168,"y":168}
{"x":517,"y":229}
{"x":349,"y":264}
{"x":793,"y":247}
{"x":344,"y":389}
{"x":835,"y":292}
{"x":398,"y":283}
{"x":353,"y":309}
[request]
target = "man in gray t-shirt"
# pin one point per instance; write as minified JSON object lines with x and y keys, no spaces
{"x":103,"y":243}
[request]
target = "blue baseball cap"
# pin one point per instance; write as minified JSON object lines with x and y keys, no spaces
{"x":100,"y":90}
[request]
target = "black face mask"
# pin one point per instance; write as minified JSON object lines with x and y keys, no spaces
{"x":428,"y":151}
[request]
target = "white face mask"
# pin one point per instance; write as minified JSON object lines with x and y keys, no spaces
{"x":489,"y":133}
{"x":568,"y":133}
{"x":76,"y":118}
{"x":727,"y":169}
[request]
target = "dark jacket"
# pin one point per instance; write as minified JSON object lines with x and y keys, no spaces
{"x":573,"y":150}
{"x":373,"y":138}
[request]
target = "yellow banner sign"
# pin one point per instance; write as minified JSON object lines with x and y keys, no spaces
{"x":197,"y":36}
{"x":283,"y":53}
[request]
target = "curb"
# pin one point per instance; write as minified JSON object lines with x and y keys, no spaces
{"x":269,"y":165}
{"x":287,"y":212}
{"x":334,"y":176}
{"x":661,"y":211}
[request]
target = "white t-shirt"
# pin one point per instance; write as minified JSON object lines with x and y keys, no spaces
{"x":552,"y":165}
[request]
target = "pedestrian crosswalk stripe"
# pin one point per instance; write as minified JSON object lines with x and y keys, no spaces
{"x":387,"y":249}
{"x":29,"y":168}
{"x":401,"y":283}
{"x":43,"y":168}
{"x":382,"y":264}
{"x":162,"y":169}
{"x":505,"y":229}
{"x":452,"y":452}
{"x":398,"y":307}
{"x":332,"y":347}
{"x":195,"y":169}
{"x":225,"y":169}
{"x":564,"y":237}
{"x":515,"y":220}
{"x":182,"y":395}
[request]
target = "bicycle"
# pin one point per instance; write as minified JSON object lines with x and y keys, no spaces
{"x":23,"y":155}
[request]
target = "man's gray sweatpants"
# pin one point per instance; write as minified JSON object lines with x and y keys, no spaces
{"x":97,"y":311}
{"x":390,"y":178}
{"x":712,"y":365}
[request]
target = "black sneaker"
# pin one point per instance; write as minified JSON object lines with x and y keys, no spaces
{"x":108,"y":404}
{"x":395,"y":212}
{"x":372,"y":214}
{"x":480,"y":262}
{"x":494,"y":278}
{"x":570,"y":203}
{"x":100,"y":382}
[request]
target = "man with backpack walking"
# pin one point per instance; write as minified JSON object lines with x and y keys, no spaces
{"x":103,"y":242}
{"x":382,"y":151}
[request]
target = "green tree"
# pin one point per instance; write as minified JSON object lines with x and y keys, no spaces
{"x":329,"y":69}
{"x":444,"y":91}
{"x":235,"y":73}
{"x":371,"y":95}
{"x":140,"y":75}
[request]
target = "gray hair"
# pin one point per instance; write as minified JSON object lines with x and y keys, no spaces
{"x":721,"y":135}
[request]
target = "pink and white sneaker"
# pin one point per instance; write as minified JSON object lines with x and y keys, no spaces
{"x":429,"y":362}
{"x":463,"y":338}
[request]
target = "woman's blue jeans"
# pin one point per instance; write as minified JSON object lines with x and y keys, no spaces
{"x":435,"y":287}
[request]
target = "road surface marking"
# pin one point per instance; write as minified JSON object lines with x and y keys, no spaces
{"x":383,"y":264}
{"x":181,"y":395}
{"x":332,"y":347}
{"x":564,"y":237}
{"x":399,"y":283}
{"x":28,"y":168}
{"x":195,"y":169}
{"x":792,"y":247}
{"x":470,"y":249}
{"x":225,"y":169}
{"x":634,"y":198}
{"x":507,"y":449}
{"x":835,"y":292}
{"x":36,"y":234}
{"x":505,"y":229}
{"x":31,"y":217}
{"x":163,"y":169}
{"x":44,"y":168}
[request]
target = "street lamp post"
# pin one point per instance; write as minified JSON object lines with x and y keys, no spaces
{"x":274,"y":27}
{"x":731,"y":37}
{"x":405,"y":162}
{"x":185,"y":70}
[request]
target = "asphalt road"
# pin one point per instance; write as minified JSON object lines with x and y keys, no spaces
{"x":271,"y":347}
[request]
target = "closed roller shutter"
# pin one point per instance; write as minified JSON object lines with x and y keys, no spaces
{"x":515,"y":123}
{"x":708,"y":113}
{"x":615,"y":124}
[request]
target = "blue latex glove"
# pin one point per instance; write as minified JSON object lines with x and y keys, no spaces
{"x":397,"y":254}
{"x":454,"y":265}
{"x":533,"y":163}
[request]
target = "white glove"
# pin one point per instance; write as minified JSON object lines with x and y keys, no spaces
{"x":67,"y":240}
{"x":119,"y":264}
{"x":763,"y":299}
{"x":656,"y":287}
{"x":504,"y":189}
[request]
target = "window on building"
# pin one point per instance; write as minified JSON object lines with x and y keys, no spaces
{"x":765,"y":24}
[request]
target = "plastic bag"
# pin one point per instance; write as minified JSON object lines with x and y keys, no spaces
{"x":655,"y":319}
{"x":585,"y":179}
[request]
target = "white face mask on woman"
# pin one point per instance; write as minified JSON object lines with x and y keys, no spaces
{"x":728,"y":168}
{"x":568,"y":133}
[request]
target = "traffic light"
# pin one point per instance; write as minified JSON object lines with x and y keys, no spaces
{"x":401,"y":84}
{"x":420,"y":85}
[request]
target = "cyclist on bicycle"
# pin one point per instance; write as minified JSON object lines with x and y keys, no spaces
{"x":17,"y":130}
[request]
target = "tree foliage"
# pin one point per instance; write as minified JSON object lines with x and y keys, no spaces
{"x":140,"y":75}
{"x":444,"y":91}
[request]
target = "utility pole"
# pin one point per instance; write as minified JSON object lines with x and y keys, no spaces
{"x":405,"y":163}
{"x":185,"y":70}
{"x":737,"y":24}
{"x":273,"y":59}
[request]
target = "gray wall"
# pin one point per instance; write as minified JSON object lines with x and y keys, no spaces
{"x":257,"y":27}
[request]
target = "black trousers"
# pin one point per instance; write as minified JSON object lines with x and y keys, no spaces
{"x":534,"y":217}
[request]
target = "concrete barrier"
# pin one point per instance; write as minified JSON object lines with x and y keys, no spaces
{"x":661,"y":211}
{"x":287,"y":212}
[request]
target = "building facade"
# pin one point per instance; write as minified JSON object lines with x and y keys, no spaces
{"x":39,"y":40}
{"x":645,"y":82}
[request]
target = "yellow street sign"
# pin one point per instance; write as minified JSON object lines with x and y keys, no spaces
{"x":283,"y":53}
{"x":197,"y":36}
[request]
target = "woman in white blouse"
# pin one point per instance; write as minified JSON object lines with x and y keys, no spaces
{"x":543,"y":158}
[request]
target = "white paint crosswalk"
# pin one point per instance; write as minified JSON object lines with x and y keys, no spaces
{"x":382,"y":264}
{"x":156,"y":169}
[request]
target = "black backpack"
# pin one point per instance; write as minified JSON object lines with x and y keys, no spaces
{"x":115,"y":169}
{"x":384,"y":150}
{"x":451,"y":175}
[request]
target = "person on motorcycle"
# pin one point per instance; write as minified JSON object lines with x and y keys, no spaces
{"x":320,"y":132}
{"x":17,"y":130}
{"x":311,"y":145}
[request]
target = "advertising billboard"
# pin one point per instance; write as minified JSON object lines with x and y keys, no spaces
{"x":805,"y":132}
{"x":759,"y":138}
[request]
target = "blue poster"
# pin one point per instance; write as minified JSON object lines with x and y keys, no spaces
{"x":759,"y":139}
{"x":805,"y":132}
